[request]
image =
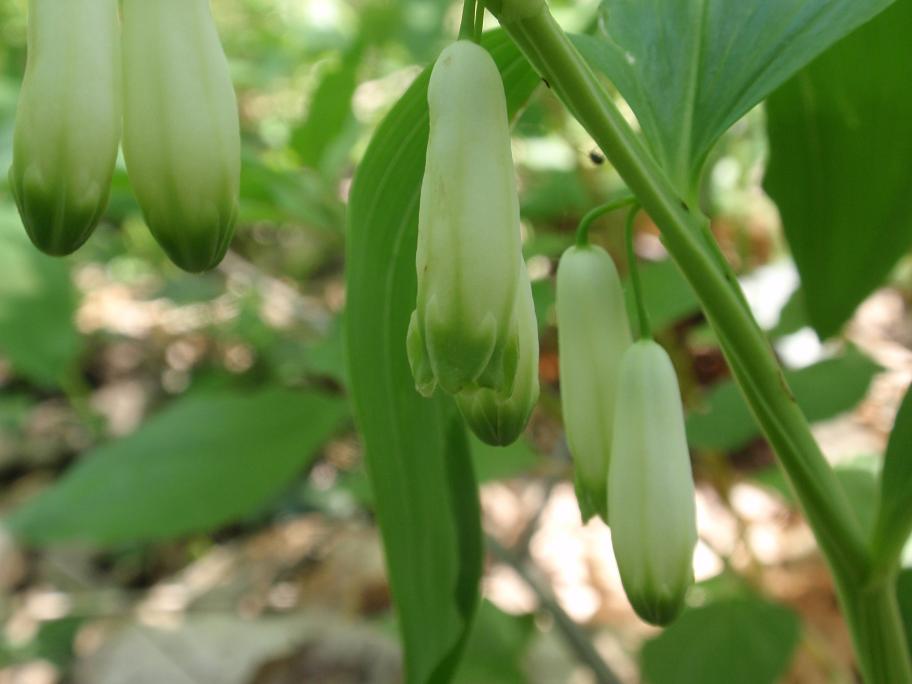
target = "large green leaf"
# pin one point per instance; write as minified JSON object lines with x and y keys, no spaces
{"x":841,"y":165}
{"x":743,"y":640}
{"x":205,"y":461}
{"x":895,"y":513}
{"x":690,"y":68}
{"x":417,"y":454}
{"x":37,"y":307}
{"x":822,"y":390}
{"x":496,"y":648}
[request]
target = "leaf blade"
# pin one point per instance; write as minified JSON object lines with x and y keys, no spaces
{"x":37,"y":308}
{"x":822,"y":390}
{"x":742,"y":639}
{"x":894,"y":516}
{"x":727,"y":58}
{"x":190,"y":468}
{"x":840,"y":151}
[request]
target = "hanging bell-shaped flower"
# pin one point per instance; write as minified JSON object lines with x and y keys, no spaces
{"x":463,"y":333}
{"x":593,"y":333}
{"x":67,"y":122}
{"x":181,"y":131}
{"x":499,"y":419}
{"x":651,"y":489}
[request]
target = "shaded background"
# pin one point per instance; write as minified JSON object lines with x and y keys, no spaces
{"x":183,"y":496}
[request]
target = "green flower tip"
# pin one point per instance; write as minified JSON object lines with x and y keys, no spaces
{"x":195,"y":243}
{"x":659,"y":608}
{"x":58,"y":222}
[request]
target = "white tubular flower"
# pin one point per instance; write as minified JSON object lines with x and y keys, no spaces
{"x":500,"y":419}
{"x":651,"y":489}
{"x":181,"y":131}
{"x":67,"y":121}
{"x":593,"y":334}
{"x":463,"y":332}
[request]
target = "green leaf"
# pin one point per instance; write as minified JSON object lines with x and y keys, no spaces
{"x":894,"y":516}
{"x":552,"y":195}
{"x":52,"y":642}
{"x":690,"y":68}
{"x":37,"y":307}
{"x":330,"y":110}
{"x":281,"y":194}
{"x":499,"y":463}
{"x":669,"y":297}
{"x":792,"y":317}
{"x":416,"y":449}
{"x":744,"y":640}
{"x":544,"y":295}
{"x":860,"y":485}
{"x":822,"y":390}
{"x":495,"y":650}
{"x":858,"y":479}
{"x":841,"y":166}
{"x":204,"y":461}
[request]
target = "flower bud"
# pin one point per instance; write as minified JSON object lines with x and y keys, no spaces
{"x":593,"y":333}
{"x":499,"y":419}
{"x":651,"y":489}
{"x":67,"y":121}
{"x":463,"y":332}
{"x":181,"y":131}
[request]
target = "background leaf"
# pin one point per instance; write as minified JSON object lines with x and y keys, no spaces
{"x":37,"y":307}
{"x":822,"y":390}
{"x":668,"y":296}
{"x":497,"y":463}
{"x":495,"y":650}
{"x":744,"y":640}
{"x":416,"y":450}
{"x":690,"y":68}
{"x":330,"y":110}
{"x":205,"y":461}
{"x":857,"y":477}
{"x":841,"y":166}
{"x":896,"y":481}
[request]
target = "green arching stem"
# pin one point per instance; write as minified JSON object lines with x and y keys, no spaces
{"x":582,"y":231}
{"x":467,"y":25}
{"x":642,"y":314}
{"x":868,"y":602}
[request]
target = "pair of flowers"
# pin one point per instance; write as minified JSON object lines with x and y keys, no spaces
{"x":164,"y":84}
{"x":474,"y":334}
{"x":625,"y":428}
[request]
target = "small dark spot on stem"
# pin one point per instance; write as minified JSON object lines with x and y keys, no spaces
{"x":545,"y":81}
{"x":786,"y":388}
{"x":596,"y":157}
